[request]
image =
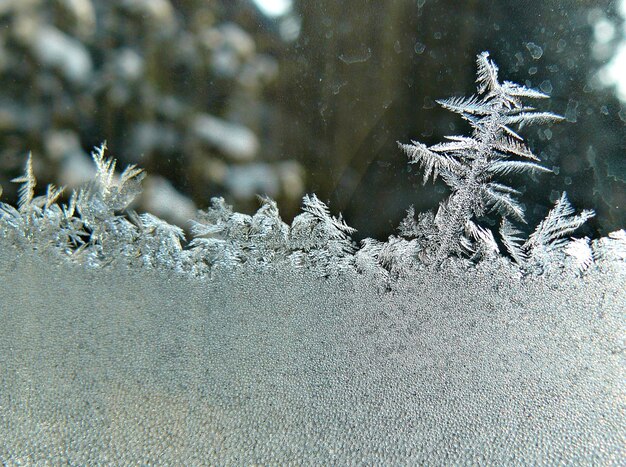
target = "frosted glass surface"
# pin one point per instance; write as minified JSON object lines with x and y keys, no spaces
{"x":461,"y":366}
{"x":323,"y":306}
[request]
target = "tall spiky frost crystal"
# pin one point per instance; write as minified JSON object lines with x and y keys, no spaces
{"x":469,"y":165}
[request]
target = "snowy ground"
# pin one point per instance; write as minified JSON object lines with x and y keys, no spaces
{"x":474,"y":367}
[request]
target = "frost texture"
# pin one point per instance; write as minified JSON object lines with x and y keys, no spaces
{"x":117,"y":366}
{"x":97,"y":225}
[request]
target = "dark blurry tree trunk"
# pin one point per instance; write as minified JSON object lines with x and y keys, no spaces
{"x":363,"y":66}
{"x":354,"y":70}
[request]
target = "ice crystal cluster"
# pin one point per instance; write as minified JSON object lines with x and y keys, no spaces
{"x":97,"y":226}
{"x":258,"y":342}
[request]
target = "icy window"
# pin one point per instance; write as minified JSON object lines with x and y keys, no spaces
{"x":385,"y":266}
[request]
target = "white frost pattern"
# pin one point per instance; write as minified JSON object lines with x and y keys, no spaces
{"x":96,"y":226}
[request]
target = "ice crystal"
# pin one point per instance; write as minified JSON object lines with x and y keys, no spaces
{"x":468,"y":165}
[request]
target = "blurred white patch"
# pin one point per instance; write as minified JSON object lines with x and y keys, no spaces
{"x":614,"y":72}
{"x":274,"y":8}
{"x":290,"y":28}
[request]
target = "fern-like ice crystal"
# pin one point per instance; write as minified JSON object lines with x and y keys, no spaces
{"x":471,"y":165}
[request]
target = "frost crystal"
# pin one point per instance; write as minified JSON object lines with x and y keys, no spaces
{"x":468,"y":165}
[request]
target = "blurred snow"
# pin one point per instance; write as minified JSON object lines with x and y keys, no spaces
{"x":56,"y":49}
{"x":613,"y":73}
{"x":160,"y":198}
{"x":234,"y":140}
{"x":274,"y":8}
{"x":246,"y":181}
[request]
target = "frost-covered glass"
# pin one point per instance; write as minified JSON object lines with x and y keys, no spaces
{"x":477,"y":320}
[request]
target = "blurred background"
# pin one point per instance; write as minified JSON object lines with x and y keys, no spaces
{"x":283,"y":97}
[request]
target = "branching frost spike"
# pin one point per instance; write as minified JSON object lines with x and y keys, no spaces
{"x":469,"y":165}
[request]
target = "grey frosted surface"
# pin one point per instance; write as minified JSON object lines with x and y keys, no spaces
{"x":475,"y":366}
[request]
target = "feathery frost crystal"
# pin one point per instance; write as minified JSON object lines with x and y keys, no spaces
{"x":469,"y":166}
